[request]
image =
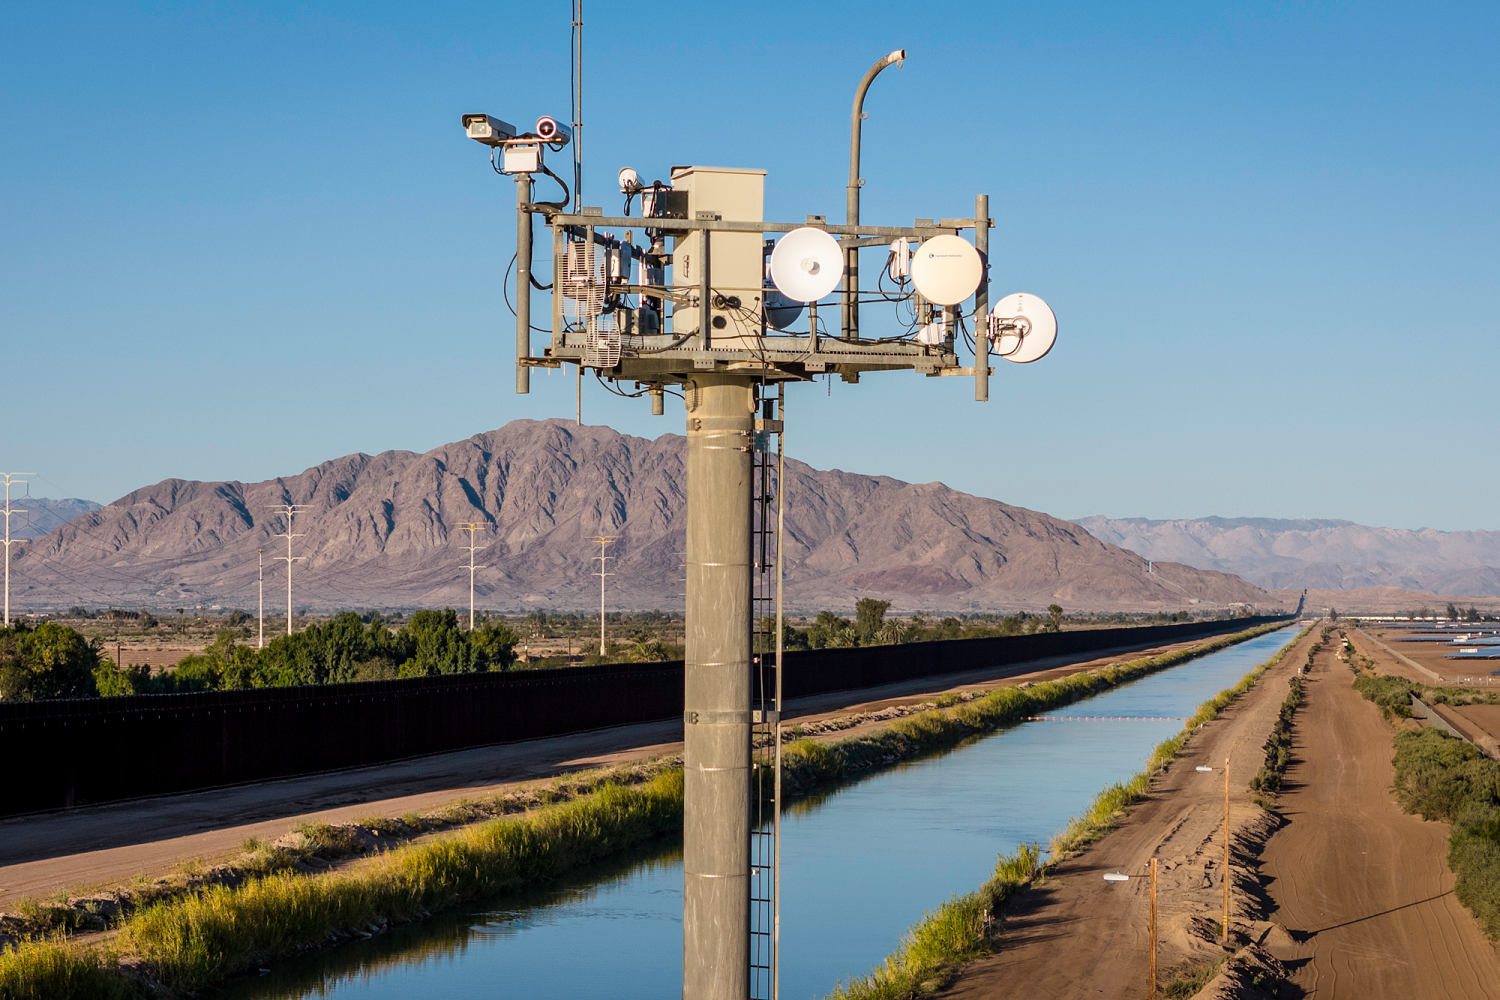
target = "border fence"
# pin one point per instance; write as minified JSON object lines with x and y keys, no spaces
{"x":88,"y":750}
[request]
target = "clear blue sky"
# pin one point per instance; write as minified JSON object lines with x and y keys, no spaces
{"x":240,"y":239}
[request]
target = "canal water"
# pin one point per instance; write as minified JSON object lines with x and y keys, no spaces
{"x":859,"y":867}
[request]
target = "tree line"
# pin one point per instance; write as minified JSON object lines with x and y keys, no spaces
{"x":870,"y":627}
{"x":55,"y":661}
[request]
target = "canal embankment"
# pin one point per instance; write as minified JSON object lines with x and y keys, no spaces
{"x":935,"y":729}
{"x":1173,"y":811}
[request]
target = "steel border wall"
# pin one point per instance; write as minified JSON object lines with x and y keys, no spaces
{"x":87,"y":750}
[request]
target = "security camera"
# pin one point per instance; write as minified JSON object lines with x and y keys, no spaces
{"x":490,"y":131}
{"x":630,"y":181}
{"x":552,"y":131}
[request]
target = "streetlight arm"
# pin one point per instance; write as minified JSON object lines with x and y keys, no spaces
{"x":851,"y":202}
{"x":857,"y":115}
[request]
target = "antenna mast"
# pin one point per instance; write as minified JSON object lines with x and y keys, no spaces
{"x":290,"y":510}
{"x":677,"y":295}
{"x":577,"y":58}
{"x":11,"y":477}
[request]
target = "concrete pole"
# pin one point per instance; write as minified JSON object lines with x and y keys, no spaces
{"x":716,"y":744}
{"x":261,"y":587}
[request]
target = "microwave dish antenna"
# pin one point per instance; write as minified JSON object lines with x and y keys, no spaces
{"x":806,"y":264}
{"x":781,"y":312}
{"x":1022,"y":328}
{"x":946,"y":270}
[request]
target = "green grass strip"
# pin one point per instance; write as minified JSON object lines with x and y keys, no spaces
{"x":957,"y":932}
{"x":809,"y":764}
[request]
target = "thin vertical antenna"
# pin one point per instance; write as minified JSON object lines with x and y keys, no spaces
{"x":603,"y":541}
{"x":577,"y":60}
{"x":260,"y":554}
{"x":290,"y":510}
{"x":471,"y":527}
{"x":10,"y":477}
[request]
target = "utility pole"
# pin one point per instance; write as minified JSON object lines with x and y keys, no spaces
{"x":10,"y":477}
{"x":603,"y":541}
{"x":1226,"y":849}
{"x":471,"y":527}
{"x":290,"y":510}
{"x":1151,"y":983}
{"x":260,"y":554}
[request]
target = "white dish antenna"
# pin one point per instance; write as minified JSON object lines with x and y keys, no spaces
{"x":946,"y":270}
{"x":806,"y":264}
{"x":1022,"y":328}
{"x":781,"y":312}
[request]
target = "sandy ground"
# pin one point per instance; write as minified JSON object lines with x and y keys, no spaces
{"x":109,"y":845}
{"x":1076,"y":935}
{"x":1364,"y":889}
{"x":1351,"y":894}
{"x":1424,"y":662}
{"x":1480,"y":724}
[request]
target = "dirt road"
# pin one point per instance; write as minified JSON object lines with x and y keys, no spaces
{"x":1363,"y":888}
{"x":108,"y":845}
{"x":1076,"y":935}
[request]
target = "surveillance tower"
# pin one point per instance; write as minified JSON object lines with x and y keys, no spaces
{"x":699,"y":293}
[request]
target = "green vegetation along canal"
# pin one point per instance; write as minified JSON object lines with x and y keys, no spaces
{"x":859,"y":867}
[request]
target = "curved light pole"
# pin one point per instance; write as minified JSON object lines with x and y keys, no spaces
{"x":851,"y":256}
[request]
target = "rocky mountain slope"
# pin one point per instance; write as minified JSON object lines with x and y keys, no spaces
{"x":381,"y":531}
{"x":43,"y":516}
{"x":1321,"y":554}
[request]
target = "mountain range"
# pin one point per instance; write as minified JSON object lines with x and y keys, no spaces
{"x":383,"y":531}
{"x":43,"y":515}
{"x":1317,"y":554}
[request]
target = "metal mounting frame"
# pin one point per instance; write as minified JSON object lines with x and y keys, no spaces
{"x":665,"y":358}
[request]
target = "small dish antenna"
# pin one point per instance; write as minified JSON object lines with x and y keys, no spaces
{"x":1022,"y":328}
{"x":806,"y":264}
{"x":781,"y":312}
{"x":946,"y":270}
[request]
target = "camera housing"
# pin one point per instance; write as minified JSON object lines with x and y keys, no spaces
{"x":552,"y":131}
{"x":490,"y":131}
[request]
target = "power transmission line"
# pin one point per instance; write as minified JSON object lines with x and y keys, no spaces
{"x":290,"y":510}
{"x":603,"y":541}
{"x":10,"y":477}
{"x":471,"y":527}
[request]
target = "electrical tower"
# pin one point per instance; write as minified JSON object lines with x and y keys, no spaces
{"x":289,"y":510}
{"x":260,"y":584}
{"x":11,"y":478}
{"x":601,"y":558}
{"x":700,"y":292}
{"x":471,"y":527}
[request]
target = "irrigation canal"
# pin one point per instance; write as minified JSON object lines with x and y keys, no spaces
{"x":859,"y":867}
